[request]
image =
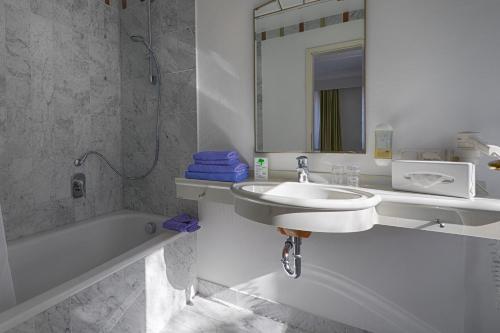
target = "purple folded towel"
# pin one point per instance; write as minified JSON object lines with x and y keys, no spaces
{"x":232,"y":177}
{"x":193,"y":228}
{"x":216,"y":155}
{"x":182,"y":223}
{"x":218,"y":162}
{"x":240,"y":167}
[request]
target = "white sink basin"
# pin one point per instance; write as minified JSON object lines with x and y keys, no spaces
{"x":306,"y":206}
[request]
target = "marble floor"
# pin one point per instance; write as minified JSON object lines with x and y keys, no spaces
{"x":209,"y":316}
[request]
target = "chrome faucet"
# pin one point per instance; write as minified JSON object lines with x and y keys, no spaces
{"x":302,"y":169}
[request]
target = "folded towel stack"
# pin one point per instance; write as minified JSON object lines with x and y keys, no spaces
{"x":223,"y":166}
{"x":182,"y":223}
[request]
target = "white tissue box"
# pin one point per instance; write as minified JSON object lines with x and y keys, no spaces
{"x":454,"y":179}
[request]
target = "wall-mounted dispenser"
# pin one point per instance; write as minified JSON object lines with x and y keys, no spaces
{"x":455,"y":179}
{"x":383,"y":144}
{"x":470,"y":148}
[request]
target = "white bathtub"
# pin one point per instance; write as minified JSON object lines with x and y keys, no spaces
{"x":50,"y":267}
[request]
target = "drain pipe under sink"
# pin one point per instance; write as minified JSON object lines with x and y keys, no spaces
{"x":291,"y":252}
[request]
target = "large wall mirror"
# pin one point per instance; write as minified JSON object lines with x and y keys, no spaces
{"x":309,"y":76}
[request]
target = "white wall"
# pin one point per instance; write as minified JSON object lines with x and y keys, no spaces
{"x":432,"y":70}
{"x":385,"y":280}
{"x":224,"y":40}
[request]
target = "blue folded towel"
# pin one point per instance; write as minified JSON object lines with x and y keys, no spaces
{"x":240,"y":167}
{"x":182,"y":223}
{"x":193,"y":228}
{"x":218,"y":162}
{"x":216,"y":155}
{"x":233,"y":177}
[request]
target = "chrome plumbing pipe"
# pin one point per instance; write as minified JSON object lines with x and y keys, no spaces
{"x":291,"y":251}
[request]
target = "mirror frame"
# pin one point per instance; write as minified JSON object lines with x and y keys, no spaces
{"x":308,"y":110}
{"x":281,"y":8}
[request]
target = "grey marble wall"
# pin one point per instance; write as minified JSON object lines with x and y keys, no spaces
{"x":142,"y":297}
{"x":59,"y":96}
{"x":173,"y":39}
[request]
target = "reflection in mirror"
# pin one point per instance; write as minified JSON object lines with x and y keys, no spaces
{"x":336,"y":87}
{"x":306,"y":53}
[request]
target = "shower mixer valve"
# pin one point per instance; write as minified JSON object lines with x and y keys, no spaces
{"x":78,"y":189}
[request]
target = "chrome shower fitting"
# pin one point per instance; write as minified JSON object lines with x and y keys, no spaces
{"x":154,"y":80}
{"x":292,"y":249}
{"x":80,"y":161}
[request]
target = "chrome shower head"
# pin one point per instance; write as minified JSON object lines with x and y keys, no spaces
{"x":80,"y":161}
{"x":142,"y":40}
{"x":138,"y":39}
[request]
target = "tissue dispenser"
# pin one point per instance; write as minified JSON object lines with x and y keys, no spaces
{"x":455,"y":179}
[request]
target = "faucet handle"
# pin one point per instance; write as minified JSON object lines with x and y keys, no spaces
{"x":302,"y":161}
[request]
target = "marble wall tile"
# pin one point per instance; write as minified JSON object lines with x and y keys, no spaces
{"x":186,"y":13}
{"x":55,"y":319}
{"x":44,"y":8}
{"x":134,"y":319}
{"x":101,"y":306}
{"x":3,"y":84}
{"x":80,"y":16}
{"x":166,"y":20}
{"x":26,"y":327}
{"x":176,"y":49}
{"x":60,"y":89}
{"x":17,"y":38}
{"x":173,"y":39}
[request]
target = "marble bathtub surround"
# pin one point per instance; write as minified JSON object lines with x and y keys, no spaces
{"x":59,"y":95}
{"x":142,"y":297}
{"x":7,"y":294}
{"x":293,"y":317}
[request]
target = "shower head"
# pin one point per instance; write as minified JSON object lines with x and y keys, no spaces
{"x":142,"y":40}
{"x":80,"y":161}
{"x":137,"y":38}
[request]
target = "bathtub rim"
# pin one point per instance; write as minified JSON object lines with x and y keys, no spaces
{"x":30,"y":308}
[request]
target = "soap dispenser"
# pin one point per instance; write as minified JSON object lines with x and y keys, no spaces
{"x":383,"y":144}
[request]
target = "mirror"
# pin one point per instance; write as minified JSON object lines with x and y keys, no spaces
{"x":309,"y":76}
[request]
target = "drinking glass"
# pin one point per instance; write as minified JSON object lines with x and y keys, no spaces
{"x":352,"y":175}
{"x":338,"y":175}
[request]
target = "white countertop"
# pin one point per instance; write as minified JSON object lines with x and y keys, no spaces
{"x":477,"y":217}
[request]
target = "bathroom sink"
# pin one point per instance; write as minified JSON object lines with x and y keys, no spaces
{"x":306,"y":206}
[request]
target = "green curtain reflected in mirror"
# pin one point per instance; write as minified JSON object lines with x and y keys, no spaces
{"x":331,"y":131}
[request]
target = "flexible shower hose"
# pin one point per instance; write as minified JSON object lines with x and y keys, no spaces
{"x":80,"y":161}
